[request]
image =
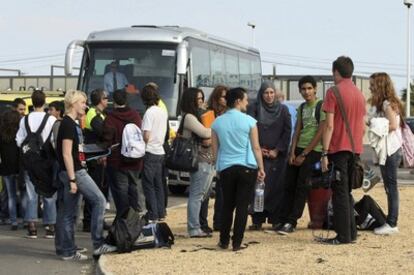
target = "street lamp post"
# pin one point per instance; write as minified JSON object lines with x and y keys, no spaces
{"x":408,"y":3}
{"x":253,"y":26}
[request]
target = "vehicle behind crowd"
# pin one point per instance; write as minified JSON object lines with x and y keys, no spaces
{"x":172,"y":57}
{"x":7,"y":98}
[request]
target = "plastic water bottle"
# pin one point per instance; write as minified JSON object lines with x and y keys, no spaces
{"x":317,"y":166}
{"x":259,"y":197}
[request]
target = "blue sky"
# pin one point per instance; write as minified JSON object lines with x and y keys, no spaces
{"x":301,"y":36}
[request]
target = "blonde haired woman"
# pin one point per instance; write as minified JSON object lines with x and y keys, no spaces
{"x":75,"y":181}
{"x":389,"y":106}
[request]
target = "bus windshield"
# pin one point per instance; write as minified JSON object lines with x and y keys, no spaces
{"x":116,"y":66}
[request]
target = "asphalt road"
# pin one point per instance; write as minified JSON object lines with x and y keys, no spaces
{"x":21,"y":256}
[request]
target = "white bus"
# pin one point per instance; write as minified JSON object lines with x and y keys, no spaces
{"x":173,"y":57}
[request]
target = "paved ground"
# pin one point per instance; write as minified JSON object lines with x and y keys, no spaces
{"x":21,"y":256}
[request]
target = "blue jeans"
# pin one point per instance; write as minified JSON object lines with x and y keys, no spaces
{"x":389,"y":176}
{"x":11,"y":185}
{"x":49,"y":204}
{"x":152,"y":184}
{"x":4,"y":209}
{"x":67,"y":211}
{"x":200,"y":182}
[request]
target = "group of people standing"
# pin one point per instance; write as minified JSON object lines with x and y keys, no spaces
{"x":15,"y":177}
{"x":239,"y":144}
{"x":69,"y":129}
{"x":258,"y":146}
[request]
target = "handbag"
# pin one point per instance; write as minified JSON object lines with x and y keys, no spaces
{"x":183,"y":152}
{"x":407,"y":146}
{"x":356,"y":175}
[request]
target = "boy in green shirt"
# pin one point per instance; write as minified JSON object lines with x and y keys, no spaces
{"x":305,"y":151}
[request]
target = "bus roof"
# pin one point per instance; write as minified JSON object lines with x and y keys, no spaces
{"x":167,"y":34}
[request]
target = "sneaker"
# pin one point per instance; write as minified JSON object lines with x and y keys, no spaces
{"x":77,"y":257}
{"x":286,"y":229}
{"x":108,"y":206}
{"x":277,"y":226}
{"x":201,"y":234}
{"x":207,"y":229}
{"x":14,"y":227}
{"x":386,"y":229}
{"x":81,"y":249}
{"x":31,"y":234}
{"x":222,"y":245}
{"x":239,"y":247}
{"x":31,"y":231}
{"x":50,"y":231}
{"x":103,"y":249}
{"x":329,"y":241}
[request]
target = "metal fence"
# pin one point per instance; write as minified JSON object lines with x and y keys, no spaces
{"x":50,"y":83}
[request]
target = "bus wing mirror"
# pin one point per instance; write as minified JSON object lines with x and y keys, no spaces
{"x":70,"y":50}
{"x":182,"y":57}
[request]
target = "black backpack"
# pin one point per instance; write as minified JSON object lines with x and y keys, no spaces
{"x":38,"y":159}
{"x":317,"y":111}
{"x":129,"y":232}
{"x":370,"y":215}
{"x":125,"y":230}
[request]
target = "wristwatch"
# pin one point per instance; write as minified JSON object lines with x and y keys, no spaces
{"x":72,"y":180}
{"x":303,"y":154}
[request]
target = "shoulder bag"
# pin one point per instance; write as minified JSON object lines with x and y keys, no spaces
{"x":356,"y":175}
{"x":182,"y":155}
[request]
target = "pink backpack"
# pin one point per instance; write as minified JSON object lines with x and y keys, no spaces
{"x":408,"y":146}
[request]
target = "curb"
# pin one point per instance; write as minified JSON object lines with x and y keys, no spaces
{"x":101,"y":265}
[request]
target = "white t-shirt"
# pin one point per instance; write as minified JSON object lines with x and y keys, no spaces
{"x":35,"y":118}
{"x":155,"y":122}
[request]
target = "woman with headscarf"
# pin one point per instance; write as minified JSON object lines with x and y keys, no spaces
{"x":274,"y":125}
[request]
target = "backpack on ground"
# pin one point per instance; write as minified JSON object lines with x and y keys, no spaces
{"x":155,"y":235}
{"x":38,"y":159}
{"x":133,"y":145}
{"x":129,"y":232}
{"x":125,"y":230}
{"x":370,"y":215}
{"x":407,"y":146}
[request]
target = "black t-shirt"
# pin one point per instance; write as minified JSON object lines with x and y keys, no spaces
{"x":69,"y":129}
